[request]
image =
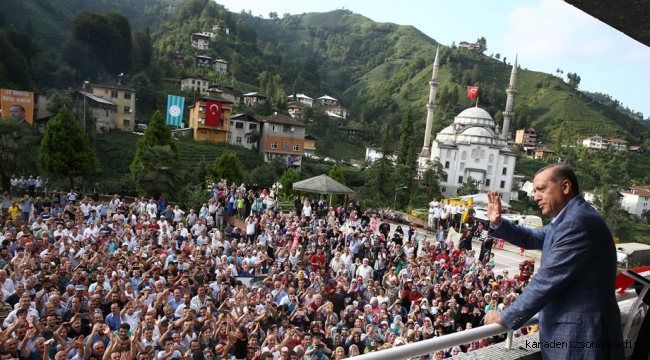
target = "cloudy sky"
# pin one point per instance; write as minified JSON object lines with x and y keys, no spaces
{"x":547,"y":35}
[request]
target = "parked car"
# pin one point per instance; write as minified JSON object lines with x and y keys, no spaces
{"x":329,"y":160}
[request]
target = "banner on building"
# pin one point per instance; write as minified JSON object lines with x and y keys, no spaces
{"x":17,"y":104}
{"x":292,"y":159}
{"x":175,"y":105}
{"x":213,"y":113}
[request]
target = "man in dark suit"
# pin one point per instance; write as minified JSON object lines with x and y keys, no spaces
{"x":573,"y":290}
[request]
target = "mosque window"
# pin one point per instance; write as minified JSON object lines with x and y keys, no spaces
{"x":491,"y":158}
{"x":446,"y":164}
{"x":505,"y":161}
{"x":464,"y":156}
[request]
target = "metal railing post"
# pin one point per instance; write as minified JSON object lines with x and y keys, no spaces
{"x":511,"y":335}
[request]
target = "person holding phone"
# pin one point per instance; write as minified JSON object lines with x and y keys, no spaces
{"x":317,"y":350}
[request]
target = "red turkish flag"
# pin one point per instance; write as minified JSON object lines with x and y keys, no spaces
{"x":213,"y":113}
{"x":472,"y":92}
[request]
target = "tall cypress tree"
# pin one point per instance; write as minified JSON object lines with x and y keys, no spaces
{"x":406,"y":147}
{"x":65,"y":150}
{"x":380,"y":181}
{"x":157,"y":133}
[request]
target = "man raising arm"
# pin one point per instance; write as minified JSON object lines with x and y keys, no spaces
{"x":573,"y":290}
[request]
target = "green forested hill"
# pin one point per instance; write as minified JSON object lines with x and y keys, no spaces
{"x":52,"y":20}
{"x":376,"y":70}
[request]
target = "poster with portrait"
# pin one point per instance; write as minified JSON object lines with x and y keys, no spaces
{"x":17,"y":104}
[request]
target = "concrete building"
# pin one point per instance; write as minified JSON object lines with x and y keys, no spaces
{"x":220,"y":66}
{"x":336,"y":110}
{"x":637,"y":149}
{"x":354,"y":133}
{"x":471,"y":146}
{"x":244,"y":130}
{"x":252,"y":98}
{"x":201,"y":40}
{"x":468,"y":45}
{"x":203,"y":60}
{"x":227,"y":92}
{"x":373,"y":153}
{"x":636,"y":200}
{"x":526,"y":137}
{"x":295,"y":108}
{"x":543,"y":153}
{"x":528,"y":188}
{"x":327,"y":100}
{"x":104,"y":111}
{"x":178,"y":59}
{"x":123,"y":97}
{"x":203,"y":131}
{"x":310,"y":144}
{"x":195,"y":82}
{"x":599,"y":142}
{"x":303,"y":99}
{"x":283,"y":136}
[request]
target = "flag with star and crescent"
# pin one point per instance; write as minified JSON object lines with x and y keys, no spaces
{"x":472,"y":92}
{"x":213,"y":113}
{"x":175,"y":105}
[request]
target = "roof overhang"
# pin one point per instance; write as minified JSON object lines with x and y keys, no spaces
{"x":627,"y":16}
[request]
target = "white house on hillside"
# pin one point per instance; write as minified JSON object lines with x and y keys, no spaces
{"x":636,"y":200}
{"x":303,"y":99}
{"x":327,"y":100}
{"x":195,"y":82}
{"x":599,"y":142}
{"x":373,"y":153}
{"x":201,"y":40}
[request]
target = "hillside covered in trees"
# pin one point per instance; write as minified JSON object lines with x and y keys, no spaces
{"x":376,"y":70}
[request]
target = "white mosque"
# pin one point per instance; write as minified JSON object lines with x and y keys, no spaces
{"x":472,"y":146}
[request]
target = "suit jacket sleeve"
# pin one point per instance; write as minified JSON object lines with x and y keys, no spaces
{"x":520,"y":236}
{"x":564,"y":261}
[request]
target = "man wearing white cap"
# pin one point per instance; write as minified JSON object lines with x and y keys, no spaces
{"x":365,"y":271}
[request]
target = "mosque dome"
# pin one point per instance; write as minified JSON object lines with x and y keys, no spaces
{"x":475,"y":112}
{"x":448,"y":130}
{"x":474,"y":116}
{"x":478,"y":131}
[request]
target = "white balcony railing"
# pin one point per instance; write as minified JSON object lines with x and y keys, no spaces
{"x":429,"y":346}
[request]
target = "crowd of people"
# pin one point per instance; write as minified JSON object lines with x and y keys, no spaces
{"x":85,"y":279}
